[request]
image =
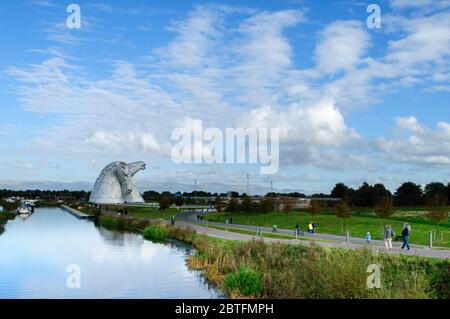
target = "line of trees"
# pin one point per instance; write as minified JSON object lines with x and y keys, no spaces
{"x":408,"y":194}
{"x":35,"y":193}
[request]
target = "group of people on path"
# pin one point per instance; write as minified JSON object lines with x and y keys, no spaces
{"x":311,"y":227}
{"x":389,"y":234}
{"x":298,"y":230}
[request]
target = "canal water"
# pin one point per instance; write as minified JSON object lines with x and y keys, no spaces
{"x":52,"y":254}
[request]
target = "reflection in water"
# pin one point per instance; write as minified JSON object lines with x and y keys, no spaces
{"x":35,"y":253}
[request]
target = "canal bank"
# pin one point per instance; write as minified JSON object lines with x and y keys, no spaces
{"x":4,"y":218}
{"x":76,"y":213}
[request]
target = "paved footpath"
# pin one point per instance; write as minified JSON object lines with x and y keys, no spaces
{"x":339,"y":241}
{"x":182,"y":220}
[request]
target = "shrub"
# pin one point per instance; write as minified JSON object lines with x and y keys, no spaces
{"x":137,"y":223}
{"x":4,"y":217}
{"x":245,"y":281}
{"x":155,"y":233}
{"x":108,"y":222}
{"x":8,"y":206}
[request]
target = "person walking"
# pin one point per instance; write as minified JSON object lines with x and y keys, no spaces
{"x":310,"y":228}
{"x":388,"y":233}
{"x":231,"y":220}
{"x":368,"y":237}
{"x":297,"y":229}
{"x":405,"y":234}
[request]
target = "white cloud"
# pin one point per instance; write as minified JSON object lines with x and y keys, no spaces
{"x":313,"y":135}
{"x":341,"y":46}
{"x":122,"y":141}
{"x":320,"y":125}
{"x":409,"y":4}
{"x":427,"y":40}
{"x":195,"y":38}
{"x":409,"y":123}
{"x":44,"y":3}
{"x":7,"y":130}
{"x":427,"y":4}
{"x":418,"y":145}
{"x":263,"y":55}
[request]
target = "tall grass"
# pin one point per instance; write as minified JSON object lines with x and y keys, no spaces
{"x":245,"y":282}
{"x":155,"y":233}
{"x":111,"y":223}
{"x":289,"y":271}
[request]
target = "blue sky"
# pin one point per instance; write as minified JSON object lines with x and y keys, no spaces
{"x":352,"y":103}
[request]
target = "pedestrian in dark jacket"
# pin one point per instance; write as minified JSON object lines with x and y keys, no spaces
{"x":405,"y":234}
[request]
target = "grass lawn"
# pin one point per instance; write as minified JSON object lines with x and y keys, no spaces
{"x":253,"y":233}
{"x":358,"y":224}
{"x":150,"y":212}
{"x":136,"y":211}
{"x":266,"y":234}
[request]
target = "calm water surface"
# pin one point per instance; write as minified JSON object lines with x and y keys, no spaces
{"x":35,"y":254}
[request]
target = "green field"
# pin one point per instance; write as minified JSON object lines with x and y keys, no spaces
{"x":359,"y":224}
{"x":135,"y":211}
{"x":150,"y":212}
{"x":267,"y":234}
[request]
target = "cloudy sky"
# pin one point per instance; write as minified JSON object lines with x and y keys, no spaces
{"x":352,"y":103}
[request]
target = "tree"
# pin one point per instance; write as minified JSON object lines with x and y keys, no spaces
{"x":363,"y":195}
{"x":232,"y":206}
{"x":435,"y":189}
{"x":315,"y":208}
{"x":218,"y":204}
{"x":246,"y":205}
{"x":343,"y":211}
{"x":234,"y":194}
{"x":448,"y":194}
{"x":165,"y":202}
{"x":385,"y":207}
{"x":265,"y":206}
{"x":438,"y":210}
{"x":287,"y":208}
{"x":409,"y":194}
{"x":151,"y":196}
{"x":179,"y":201}
{"x":341,"y":190}
{"x":378,"y":193}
